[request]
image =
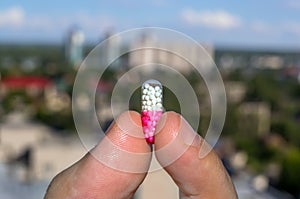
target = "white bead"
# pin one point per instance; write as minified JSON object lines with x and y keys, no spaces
{"x":151,"y":96}
{"x":154,"y":101}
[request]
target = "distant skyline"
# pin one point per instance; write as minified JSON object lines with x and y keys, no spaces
{"x":249,"y":23}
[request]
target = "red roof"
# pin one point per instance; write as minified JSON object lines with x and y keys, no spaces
{"x":25,"y":82}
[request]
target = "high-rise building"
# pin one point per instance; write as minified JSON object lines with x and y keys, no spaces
{"x":166,"y":54}
{"x":143,"y":55}
{"x":112,"y":49}
{"x":74,"y":47}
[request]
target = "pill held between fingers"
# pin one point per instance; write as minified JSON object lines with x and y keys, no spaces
{"x":151,"y":107}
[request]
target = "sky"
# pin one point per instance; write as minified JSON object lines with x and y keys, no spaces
{"x":265,"y":23}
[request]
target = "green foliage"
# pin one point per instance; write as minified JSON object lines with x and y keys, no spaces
{"x":289,"y":129}
{"x":290,"y":175}
{"x":46,"y":53}
{"x":135,"y":100}
{"x":58,"y":120}
{"x":173,"y":103}
{"x":264,"y":87}
{"x":283,"y":96}
{"x":296,"y":90}
{"x":14,"y":99}
{"x":255,"y":147}
{"x":236,"y":75}
{"x":231,"y":121}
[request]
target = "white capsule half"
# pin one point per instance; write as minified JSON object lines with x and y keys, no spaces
{"x":152,"y":95}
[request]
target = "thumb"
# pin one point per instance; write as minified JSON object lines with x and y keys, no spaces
{"x":105,"y":171}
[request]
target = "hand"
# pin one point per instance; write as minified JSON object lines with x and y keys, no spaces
{"x":197,"y":177}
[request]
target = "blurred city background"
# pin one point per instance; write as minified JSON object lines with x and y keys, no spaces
{"x":255,"y":44}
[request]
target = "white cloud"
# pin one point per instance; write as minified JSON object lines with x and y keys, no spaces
{"x":13,"y":17}
{"x":16,"y":17}
{"x":213,"y":19}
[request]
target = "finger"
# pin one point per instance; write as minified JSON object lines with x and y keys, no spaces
{"x":177,"y":148}
{"x":103,"y":172}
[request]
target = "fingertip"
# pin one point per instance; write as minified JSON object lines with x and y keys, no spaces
{"x":173,"y":126}
{"x":128,"y":124}
{"x":130,"y":117}
{"x":113,"y":169}
{"x":167,"y":128}
{"x":123,"y":147}
{"x":126,"y":133}
{"x":174,"y":138}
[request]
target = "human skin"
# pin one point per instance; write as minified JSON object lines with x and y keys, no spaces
{"x":198,"y":171}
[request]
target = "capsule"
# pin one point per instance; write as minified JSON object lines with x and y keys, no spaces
{"x":152,"y":108}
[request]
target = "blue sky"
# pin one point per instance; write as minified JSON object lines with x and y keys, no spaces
{"x":263,"y":23}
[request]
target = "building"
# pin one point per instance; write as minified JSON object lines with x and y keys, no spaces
{"x":255,"y":117}
{"x":235,"y":91}
{"x":19,"y":134}
{"x":32,"y":85}
{"x":112,"y":49}
{"x":143,"y":56}
{"x":147,"y":55}
{"x":74,"y":47}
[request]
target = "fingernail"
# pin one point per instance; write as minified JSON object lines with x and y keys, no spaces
{"x":161,"y":123}
{"x":204,"y":149}
{"x":189,"y":136}
{"x":128,"y":122}
{"x":152,"y":108}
